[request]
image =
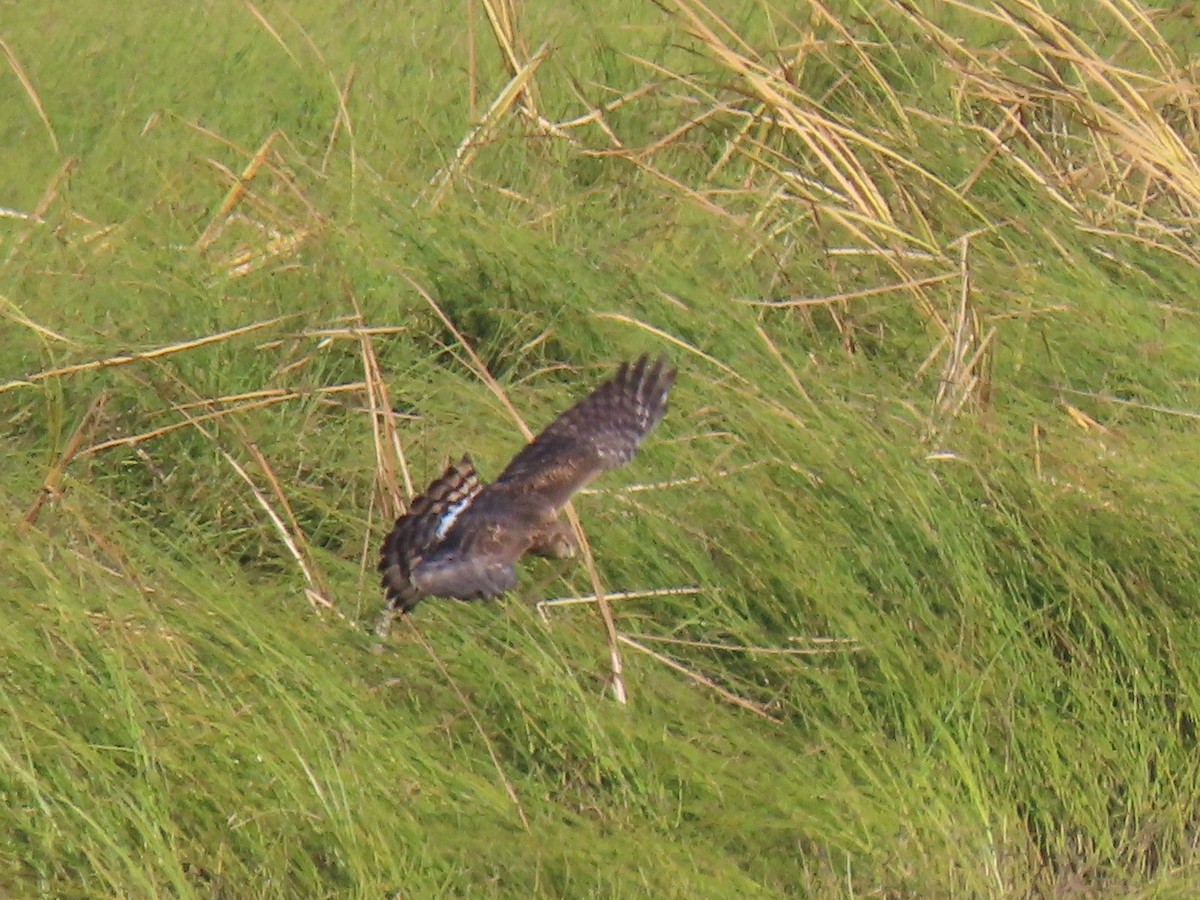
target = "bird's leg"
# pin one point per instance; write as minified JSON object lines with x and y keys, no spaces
{"x":555,"y":539}
{"x":384,"y":626}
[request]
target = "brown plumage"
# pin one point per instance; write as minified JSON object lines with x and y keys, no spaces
{"x":462,"y":538}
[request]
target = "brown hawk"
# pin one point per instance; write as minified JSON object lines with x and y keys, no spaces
{"x":462,"y":538}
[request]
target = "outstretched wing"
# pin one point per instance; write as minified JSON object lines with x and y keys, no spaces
{"x":465,"y":575}
{"x":600,"y":432}
{"x":461,"y":538}
{"x":419,"y":531}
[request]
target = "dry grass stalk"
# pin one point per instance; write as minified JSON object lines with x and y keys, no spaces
{"x":83,"y":432}
{"x":317,"y":585}
{"x":1136,"y":404}
{"x":790,"y":165}
{"x":1100,"y":130}
{"x":646,"y":486}
{"x":292,"y":538}
{"x":616,"y":665}
{"x":265,"y":23}
{"x":342,"y":122}
{"x":596,"y":114}
{"x":13,"y":312}
{"x":275,"y":167}
{"x":696,"y":351}
{"x":544,"y":605}
{"x":671,"y":339}
{"x":876,"y":291}
{"x":481,"y":372}
{"x":502,"y":16}
{"x":641,"y":487}
{"x":733,"y":698}
{"x":468,"y":148}
{"x":242,"y":264}
{"x":353,"y":333}
{"x":268,"y":224}
{"x":700,"y":197}
{"x":1083,"y":420}
{"x":965,"y":373}
{"x":314,"y":592}
{"x":1109,"y":134}
{"x":848,"y":163}
{"x":477,"y":365}
{"x":235,"y":193}
{"x":383,"y":427}
{"x":783,"y":364}
{"x":157,"y":353}
{"x":106,"y":540}
{"x":824,"y":646}
{"x":49,"y":195}
{"x":242,"y":403}
{"x":30,"y":92}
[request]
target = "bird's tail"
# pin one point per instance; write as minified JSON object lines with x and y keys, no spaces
{"x":428,"y":518}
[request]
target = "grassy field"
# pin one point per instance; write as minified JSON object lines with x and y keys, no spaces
{"x":912,"y":561}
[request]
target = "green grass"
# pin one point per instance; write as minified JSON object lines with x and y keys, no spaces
{"x":1015,"y":711}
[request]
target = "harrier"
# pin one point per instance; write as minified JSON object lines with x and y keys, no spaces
{"x":462,"y":538}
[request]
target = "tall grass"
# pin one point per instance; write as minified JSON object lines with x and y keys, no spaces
{"x":899,"y":597}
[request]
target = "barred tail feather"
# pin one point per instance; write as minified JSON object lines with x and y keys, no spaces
{"x":429,"y":517}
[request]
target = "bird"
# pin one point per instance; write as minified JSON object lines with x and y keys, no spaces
{"x":462,"y":538}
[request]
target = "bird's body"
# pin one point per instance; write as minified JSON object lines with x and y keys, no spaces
{"x":461,"y":538}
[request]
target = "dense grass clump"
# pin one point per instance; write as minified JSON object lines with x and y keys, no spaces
{"x":902,"y":591}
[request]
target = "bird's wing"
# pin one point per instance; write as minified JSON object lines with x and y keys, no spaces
{"x":600,"y":432}
{"x":465,"y":575}
{"x":461,"y":538}
{"x":422,"y":528}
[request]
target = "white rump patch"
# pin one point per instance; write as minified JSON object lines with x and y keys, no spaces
{"x":450,"y":516}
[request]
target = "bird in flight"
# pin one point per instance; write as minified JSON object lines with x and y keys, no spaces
{"x":462,"y":537}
